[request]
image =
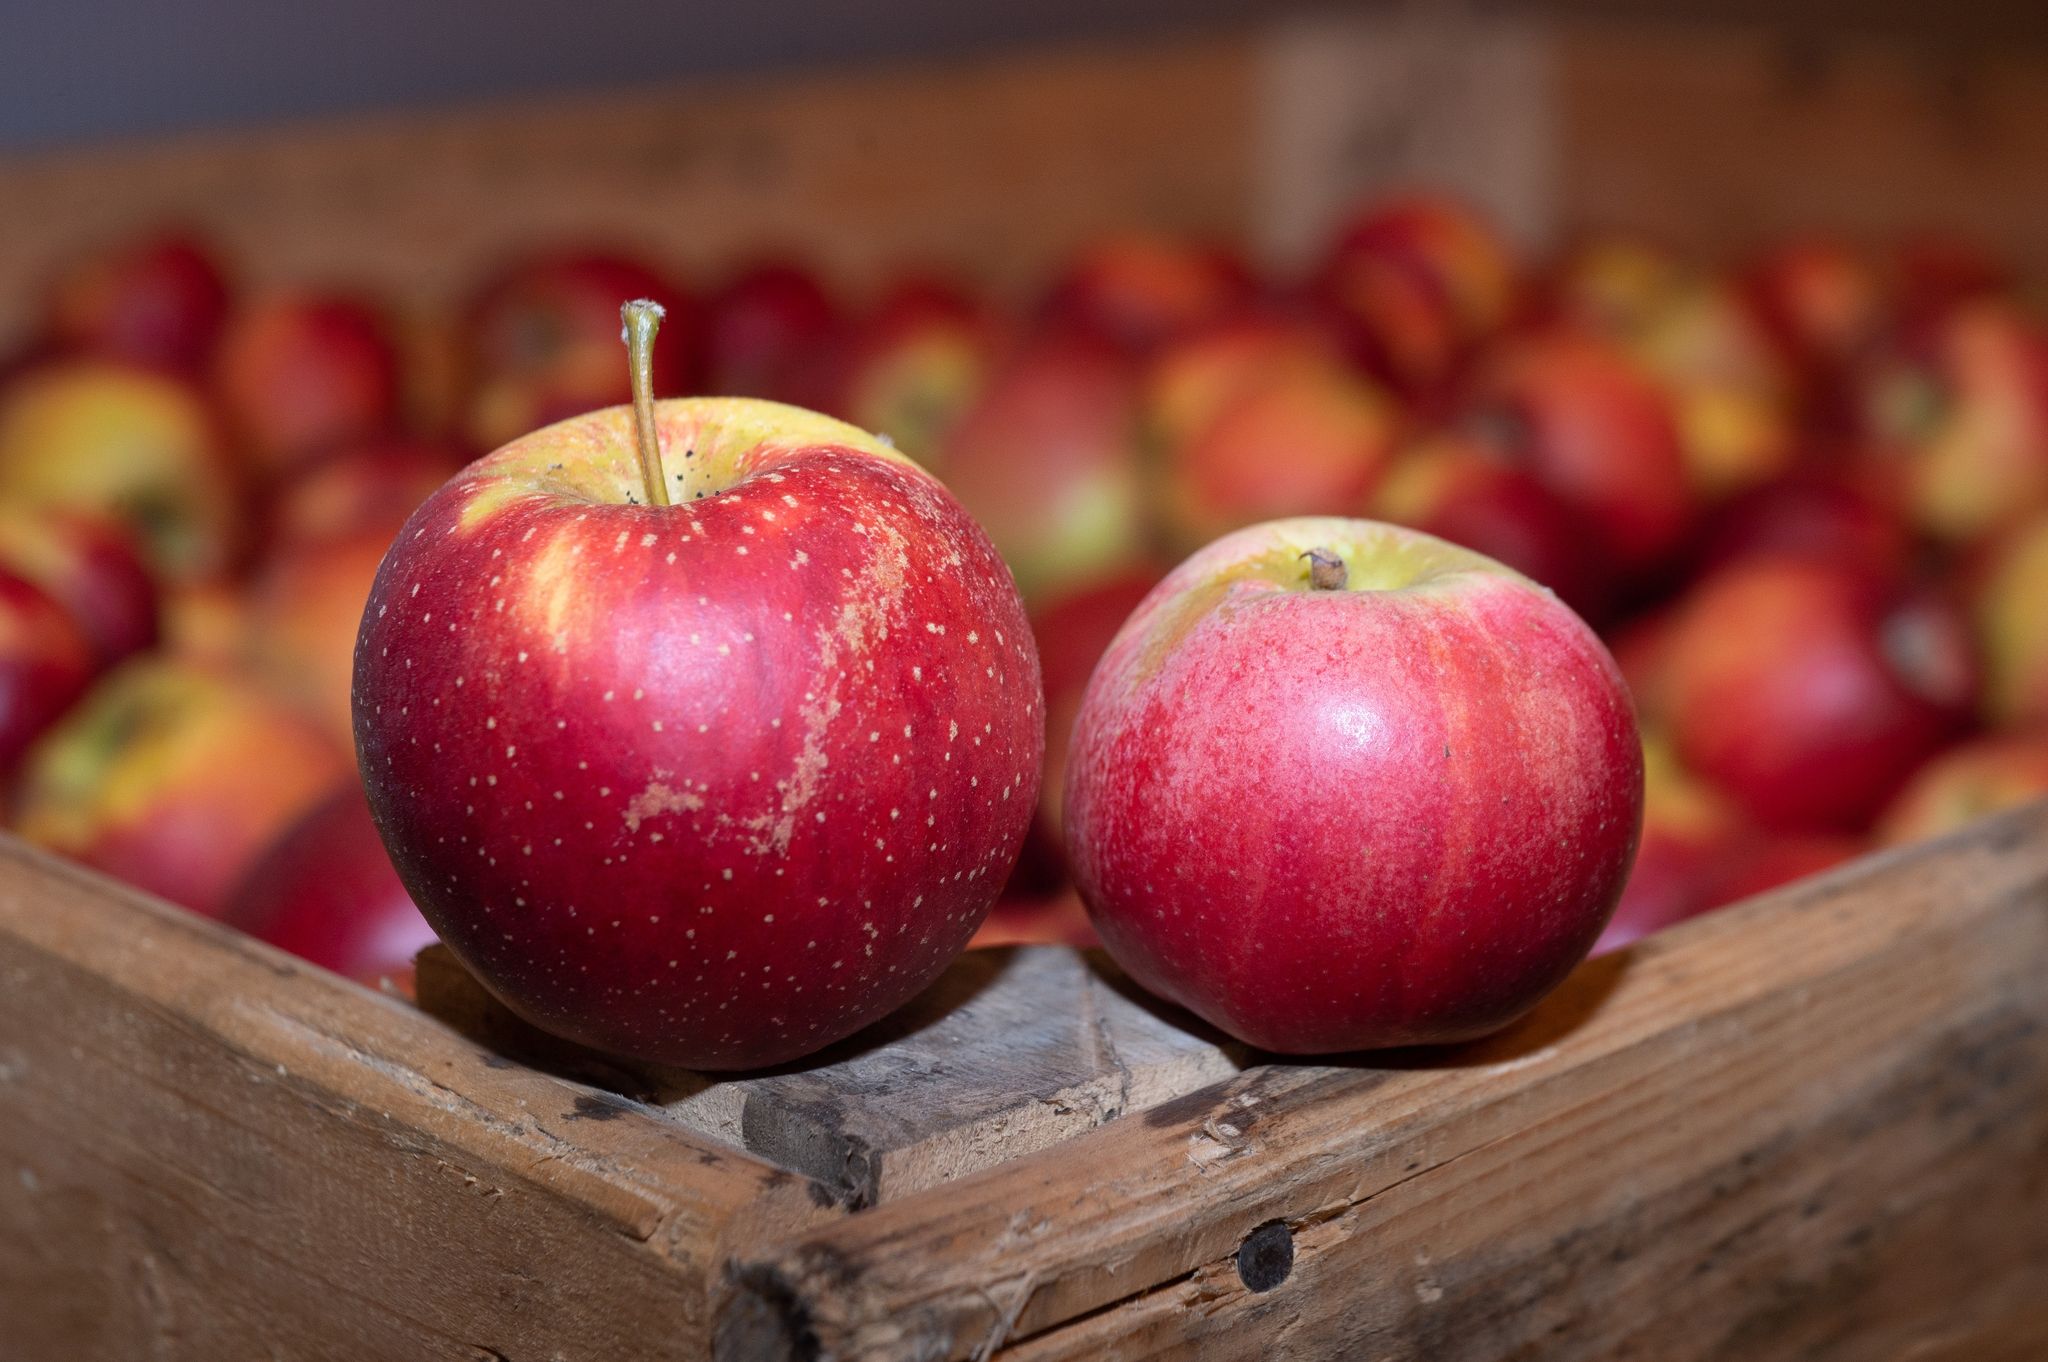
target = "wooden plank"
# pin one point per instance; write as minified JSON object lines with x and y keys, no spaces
{"x":1814,"y":1125}
{"x":1013,"y":1050}
{"x":209,"y":1150}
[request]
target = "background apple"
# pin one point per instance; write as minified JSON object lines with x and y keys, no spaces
{"x":770,"y":331}
{"x":91,"y":568}
{"x":541,"y":340}
{"x":174,"y":777}
{"x":46,"y":662}
{"x":300,"y":374}
{"x":713,"y":783}
{"x":912,"y":366}
{"x":1138,"y":291}
{"x":2011,"y":582}
{"x":160,"y":299}
{"x":121,"y":442}
{"x":1381,"y":797}
{"x":304,"y":609}
{"x":1047,"y":460}
{"x":1989,"y":774}
{"x":1810,"y":690}
{"x":326,"y":892}
{"x":1690,"y":830}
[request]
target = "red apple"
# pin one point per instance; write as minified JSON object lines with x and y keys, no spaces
{"x":304,"y":608}
{"x":1340,"y":785}
{"x":542,"y":340}
{"x":159,"y":299}
{"x":1939,"y":272}
{"x":363,"y":488}
{"x":1073,"y":632}
{"x":1420,"y":282}
{"x":1642,"y":649}
{"x":713,"y":783}
{"x":174,"y":778}
{"x":1820,"y":299}
{"x":1297,"y":440}
{"x":1452,"y":488}
{"x":1187,"y":382}
{"x":126,"y":444}
{"x":1048,"y":460}
{"x":326,"y":892}
{"x":1833,"y":516}
{"x":1138,"y":291}
{"x":2010,"y":583}
{"x":771,"y":332}
{"x":1733,"y":398}
{"x":1810,"y":690}
{"x":46,"y":662}
{"x":1967,"y":782}
{"x":301,"y":374}
{"x":913,"y":365}
{"x":1614,"y":285}
{"x":1592,"y":426}
{"x":91,"y":567}
{"x":1689,"y":831}
{"x":1766,"y":863}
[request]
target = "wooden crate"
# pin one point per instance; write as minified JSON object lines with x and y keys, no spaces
{"x":1811,"y":1126}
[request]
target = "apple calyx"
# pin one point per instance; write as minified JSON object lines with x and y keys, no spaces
{"x":1326,"y":571}
{"x":638,"y":321}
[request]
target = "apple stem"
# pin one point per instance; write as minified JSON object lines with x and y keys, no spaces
{"x":639,"y":320}
{"x":1326,"y":571}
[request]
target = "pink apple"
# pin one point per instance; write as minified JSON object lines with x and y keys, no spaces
{"x":326,"y":892}
{"x":711,"y":783}
{"x":1341,"y":785}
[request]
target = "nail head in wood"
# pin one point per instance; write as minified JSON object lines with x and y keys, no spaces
{"x":1266,"y":1257}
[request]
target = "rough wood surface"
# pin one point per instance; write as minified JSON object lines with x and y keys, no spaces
{"x":1813,"y":1126}
{"x":209,"y":1151}
{"x":1012,"y":1051}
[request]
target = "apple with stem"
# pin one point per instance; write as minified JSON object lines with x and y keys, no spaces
{"x":1339,"y":785}
{"x":703,"y":731}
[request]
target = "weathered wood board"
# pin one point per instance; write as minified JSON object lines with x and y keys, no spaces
{"x":1014,"y":1050}
{"x":1814,"y":1126}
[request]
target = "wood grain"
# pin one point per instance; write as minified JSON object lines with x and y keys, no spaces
{"x":209,"y":1151}
{"x":1013,"y":1050}
{"x":1812,"y":1126}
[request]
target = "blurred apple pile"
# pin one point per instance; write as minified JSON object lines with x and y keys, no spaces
{"x":1806,"y":497}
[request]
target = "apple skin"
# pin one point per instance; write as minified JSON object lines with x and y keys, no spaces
{"x":1591,"y":425}
{"x":1390,"y":814}
{"x":1452,"y":488}
{"x":326,"y":892}
{"x":541,"y":340}
{"x":1048,"y":460}
{"x":713,"y":784}
{"x":1616,"y":285}
{"x":1733,"y":397}
{"x":1972,"y":779}
{"x":174,"y":778}
{"x":1138,"y":291}
{"x":46,"y":662}
{"x":2007,"y":585}
{"x":1810,"y":690}
{"x":91,"y":567}
{"x":1689,"y":830}
{"x":1820,"y":300}
{"x":772,"y":331}
{"x":300,"y":374}
{"x":142,"y":448}
{"x":159,"y":300}
{"x":913,"y":365}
